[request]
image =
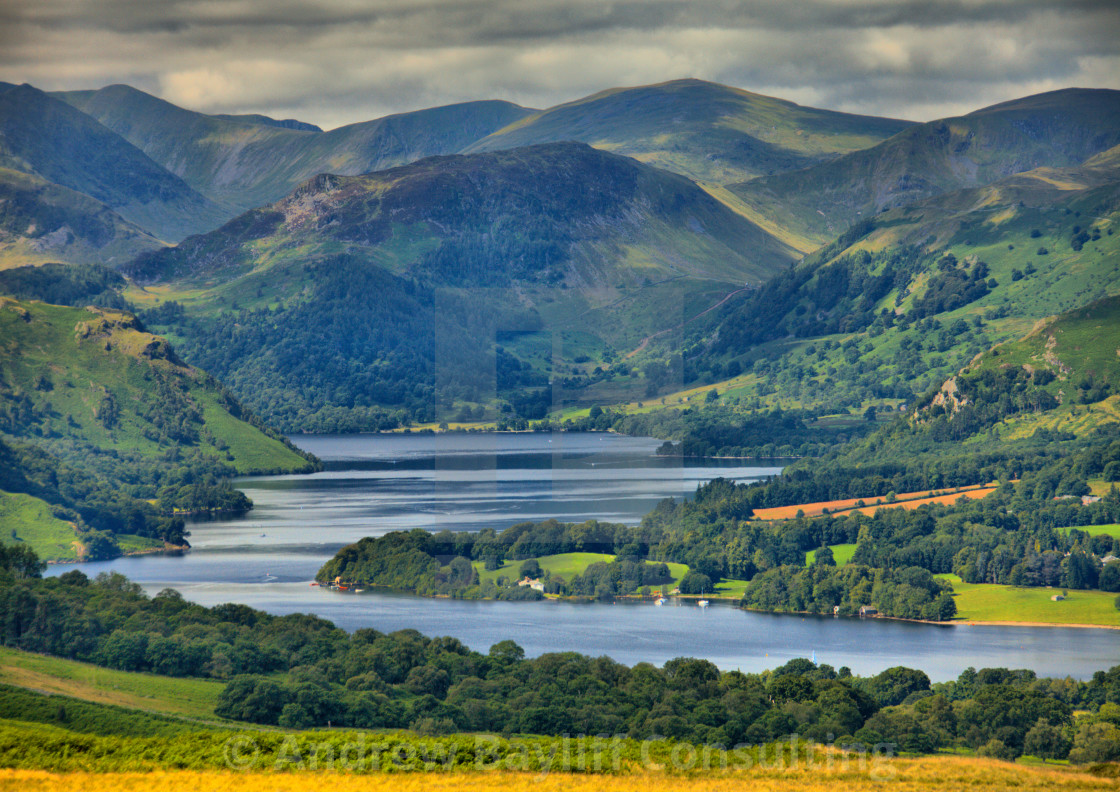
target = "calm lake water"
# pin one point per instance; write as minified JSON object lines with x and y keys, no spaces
{"x":379,"y":483}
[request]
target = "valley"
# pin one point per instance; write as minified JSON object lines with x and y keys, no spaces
{"x":281,"y":404}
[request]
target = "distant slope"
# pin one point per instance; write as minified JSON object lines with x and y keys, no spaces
{"x":547,"y":213}
{"x":100,"y":420}
{"x":899,"y":303}
{"x":1063,"y":377}
{"x":427,"y":264}
{"x":48,"y":138}
{"x":245,"y":161}
{"x":702,"y":130}
{"x":1057,"y":129}
{"x":94,"y":376}
{"x":41,"y":222}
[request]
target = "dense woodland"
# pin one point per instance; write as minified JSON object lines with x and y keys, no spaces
{"x":1019,"y":534}
{"x":301,"y":671}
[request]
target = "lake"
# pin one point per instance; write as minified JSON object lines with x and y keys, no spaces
{"x":373,"y":484}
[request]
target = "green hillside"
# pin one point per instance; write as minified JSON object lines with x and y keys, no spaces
{"x":1062,"y":378}
{"x":898,"y":304}
{"x":1057,"y":129}
{"x":103,"y":422}
{"x":43,"y":222}
{"x":29,"y":521}
{"x":450,"y":280}
{"x":48,"y":138}
{"x":95,"y":376}
{"x":702,"y":130}
{"x":245,"y":161}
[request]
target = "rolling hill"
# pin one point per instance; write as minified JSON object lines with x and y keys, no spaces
{"x":433,"y":265}
{"x":702,"y":130}
{"x":242,"y":162}
{"x":1057,"y":129}
{"x":45,"y":137}
{"x":101,"y":421}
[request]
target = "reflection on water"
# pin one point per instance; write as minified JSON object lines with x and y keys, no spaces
{"x":377,"y":483}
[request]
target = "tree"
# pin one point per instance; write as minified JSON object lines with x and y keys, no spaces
{"x":695,"y":583}
{"x":1110,"y":577}
{"x":1095,"y":742}
{"x":824,"y":557}
{"x":530,"y":568}
{"x":507,"y":651}
{"x":1046,"y":741}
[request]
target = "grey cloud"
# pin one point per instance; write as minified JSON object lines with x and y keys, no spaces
{"x":336,"y":61}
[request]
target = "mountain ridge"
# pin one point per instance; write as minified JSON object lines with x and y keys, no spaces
{"x":720,"y":130}
{"x":48,"y":138}
{"x":1057,"y":129}
{"x":242,"y":163}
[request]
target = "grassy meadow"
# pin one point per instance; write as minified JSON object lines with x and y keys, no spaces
{"x":28,"y":520}
{"x":989,"y":602}
{"x":565,"y":565}
{"x":841,"y":553}
{"x":1112,"y":530}
{"x":170,"y":696}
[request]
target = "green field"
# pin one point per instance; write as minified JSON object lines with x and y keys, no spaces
{"x":565,"y":565}
{"x":988,"y":602}
{"x":1112,"y":530}
{"x":167,"y":695}
{"x":729,"y":588}
{"x":28,"y":520}
{"x":841,"y":552}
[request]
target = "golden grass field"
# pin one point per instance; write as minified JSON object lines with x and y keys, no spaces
{"x":906,"y":500}
{"x":904,"y":775}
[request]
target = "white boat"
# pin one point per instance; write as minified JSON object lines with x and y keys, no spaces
{"x":702,"y":603}
{"x":659,"y":601}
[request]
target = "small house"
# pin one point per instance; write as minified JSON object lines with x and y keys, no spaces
{"x":1057,"y":598}
{"x":867,"y":610}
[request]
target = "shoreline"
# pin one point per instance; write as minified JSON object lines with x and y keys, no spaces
{"x":975,"y":623}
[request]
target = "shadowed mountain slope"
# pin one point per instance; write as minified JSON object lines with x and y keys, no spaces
{"x":245,"y":161}
{"x":1057,"y":129}
{"x":48,"y":138}
{"x":449,"y":253}
{"x":41,"y":222}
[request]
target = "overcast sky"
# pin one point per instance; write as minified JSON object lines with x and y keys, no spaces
{"x":333,"y":62}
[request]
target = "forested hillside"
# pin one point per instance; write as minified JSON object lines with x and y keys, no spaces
{"x":101,"y":420}
{"x":444,"y":282}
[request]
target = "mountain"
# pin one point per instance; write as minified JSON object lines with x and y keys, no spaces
{"x":703,"y":130}
{"x":901,"y":301}
{"x":1062,"y":378}
{"x":1057,"y":129}
{"x":48,"y":138}
{"x":242,"y":162}
{"x":44,"y":222}
{"x":102,"y":420}
{"x":426,"y":272}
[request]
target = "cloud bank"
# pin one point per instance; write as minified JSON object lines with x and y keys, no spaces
{"x":338,"y":61}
